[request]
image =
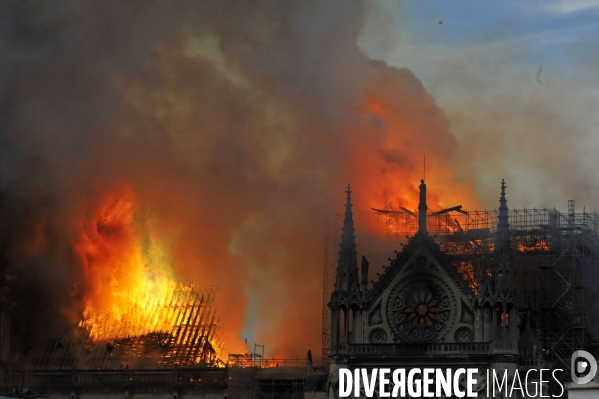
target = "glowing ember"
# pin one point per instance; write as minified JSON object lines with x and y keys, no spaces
{"x":466,"y":269}
{"x":132,"y":290}
{"x":536,"y":246}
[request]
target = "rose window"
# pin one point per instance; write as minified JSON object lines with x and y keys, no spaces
{"x":421,"y":309}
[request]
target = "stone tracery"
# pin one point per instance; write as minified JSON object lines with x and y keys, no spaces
{"x":420,"y":309}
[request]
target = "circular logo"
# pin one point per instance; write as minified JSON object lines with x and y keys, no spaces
{"x":421,"y":309}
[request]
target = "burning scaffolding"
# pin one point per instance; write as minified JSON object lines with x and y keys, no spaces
{"x":555,"y":255}
{"x":184,"y":331}
{"x":251,"y":375}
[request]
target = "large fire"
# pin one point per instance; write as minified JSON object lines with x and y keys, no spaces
{"x":131,"y":288}
{"x":400,"y":145}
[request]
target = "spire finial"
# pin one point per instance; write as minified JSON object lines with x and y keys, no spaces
{"x":503,"y":264}
{"x":422,"y":208}
{"x":348,"y":206}
{"x":348,"y":224}
{"x":503,"y":225}
{"x":347,"y":267}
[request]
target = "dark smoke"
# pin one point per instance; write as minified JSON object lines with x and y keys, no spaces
{"x":236,"y":124}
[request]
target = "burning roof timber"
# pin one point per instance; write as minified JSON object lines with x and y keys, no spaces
{"x":184,"y":331}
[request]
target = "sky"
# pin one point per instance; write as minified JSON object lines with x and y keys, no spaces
{"x":480,"y":59}
{"x":207,"y":141}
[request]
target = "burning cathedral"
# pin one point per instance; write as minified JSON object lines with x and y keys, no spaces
{"x":422,"y":312}
{"x":506,"y":292}
{"x":513,"y":291}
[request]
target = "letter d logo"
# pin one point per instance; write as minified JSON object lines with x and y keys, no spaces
{"x":582,"y":366}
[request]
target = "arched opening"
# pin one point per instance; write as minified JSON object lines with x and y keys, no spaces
{"x":350,"y":322}
{"x":343,"y":324}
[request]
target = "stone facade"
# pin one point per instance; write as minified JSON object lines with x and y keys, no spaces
{"x":422,"y":313}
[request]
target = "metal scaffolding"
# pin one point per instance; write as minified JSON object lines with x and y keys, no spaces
{"x":252,"y":376}
{"x":331,"y":244}
{"x":555,"y":254}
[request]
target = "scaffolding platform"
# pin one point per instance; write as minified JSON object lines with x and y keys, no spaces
{"x":555,"y":255}
{"x":253,"y":377}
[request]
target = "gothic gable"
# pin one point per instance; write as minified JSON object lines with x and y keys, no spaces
{"x":420,"y":298}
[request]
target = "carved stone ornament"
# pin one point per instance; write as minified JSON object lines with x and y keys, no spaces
{"x":377,"y":336}
{"x":463,"y":335}
{"x":421,"y":308}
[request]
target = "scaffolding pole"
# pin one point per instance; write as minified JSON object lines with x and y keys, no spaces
{"x":555,"y":255}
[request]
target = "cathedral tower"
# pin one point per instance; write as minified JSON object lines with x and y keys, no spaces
{"x":498,"y":297}
{"x":346,"y":300}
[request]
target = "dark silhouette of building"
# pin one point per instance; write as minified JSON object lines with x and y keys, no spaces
{"x":422,"y":313}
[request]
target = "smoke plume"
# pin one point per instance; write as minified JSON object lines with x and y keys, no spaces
{"x":234,"y":127}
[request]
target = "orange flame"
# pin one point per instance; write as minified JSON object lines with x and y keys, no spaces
{"x":389,"y":154}
{"x":132,"y":289}
{"x":128,"y":277}
{"x":536,"y":246}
